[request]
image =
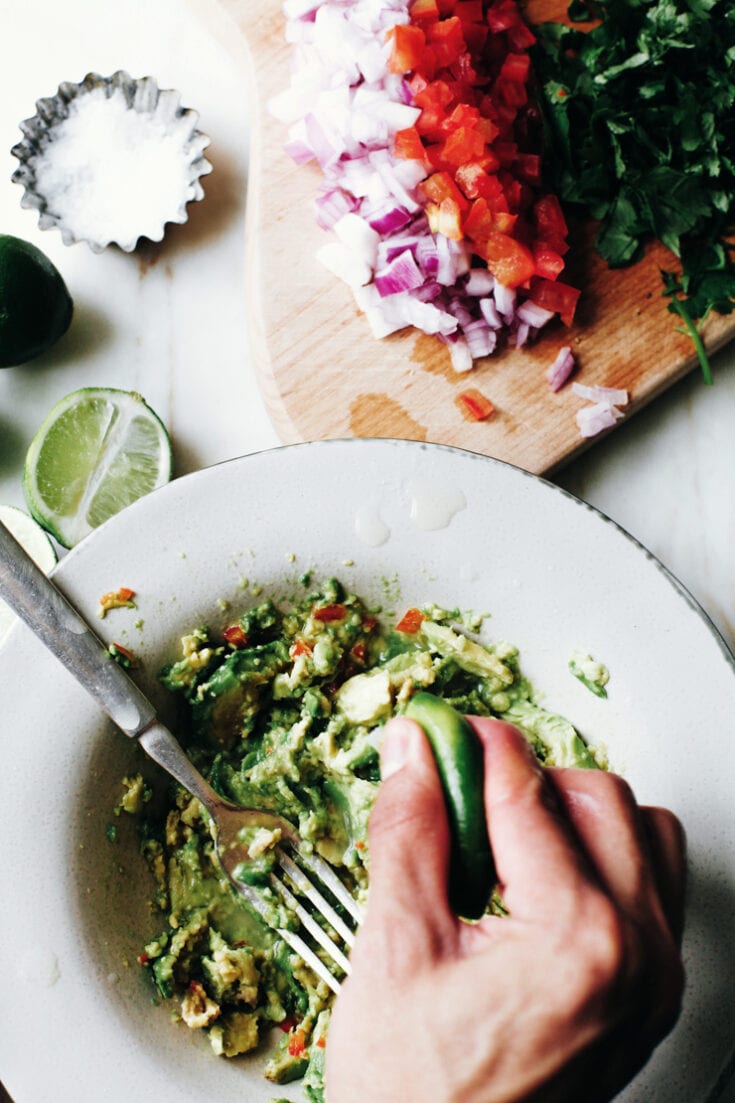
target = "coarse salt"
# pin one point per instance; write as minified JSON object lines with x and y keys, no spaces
{"x":110,"y":173}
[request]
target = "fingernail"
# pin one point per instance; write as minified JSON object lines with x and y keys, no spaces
{"x":399,"y":746}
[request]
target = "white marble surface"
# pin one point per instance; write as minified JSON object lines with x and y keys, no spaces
{"x":169,"y":321}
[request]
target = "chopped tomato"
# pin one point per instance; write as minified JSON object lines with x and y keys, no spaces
{"x":407,"y":144}
{"x":328,"y":613}
{"x":410,"y":622}
{"x":516,"y":68}
{"x":474,"y":405}
{"x":368,"y":623}
{"x":125,"y":657}
{"x":550,"y":221}
{"x":408,"y":48}
{"x":423,"y":9}
{"x":445,"y":218}
{"x":509,"y":260}
{"x":467,"y":66}
{"x":441,"y":186}
{"x":235,"y":636}
{"x":297,"y":1044}
{"x":300,"y":647}
{"x":469,"y":11}
{"x":359,"y":652}
{"x":555,"y":296}
{"x":549,"y":263}
{"x":125,"y":593}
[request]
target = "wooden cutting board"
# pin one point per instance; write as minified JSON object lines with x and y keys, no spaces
{"x":321,"y":372}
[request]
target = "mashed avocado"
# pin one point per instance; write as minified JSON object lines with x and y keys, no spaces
{"x":284,"y":712}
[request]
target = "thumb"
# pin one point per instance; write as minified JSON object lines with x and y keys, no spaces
{"x":409,"y":841}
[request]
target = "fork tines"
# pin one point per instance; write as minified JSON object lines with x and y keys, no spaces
{"x":303,"y":891}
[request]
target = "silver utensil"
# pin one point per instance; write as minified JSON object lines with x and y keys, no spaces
{"x":59,"y":626}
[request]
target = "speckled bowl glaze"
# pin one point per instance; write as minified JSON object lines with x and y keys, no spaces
{"x":403,"y":524}
{"x":152,"y":104}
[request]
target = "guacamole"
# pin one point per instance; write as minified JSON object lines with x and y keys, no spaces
{"x":283,"y":711}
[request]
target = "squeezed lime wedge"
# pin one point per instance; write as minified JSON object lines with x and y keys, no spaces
{"x":97,"y":451}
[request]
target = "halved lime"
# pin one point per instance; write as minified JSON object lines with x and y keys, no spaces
{"x":97,"y":451}
{"x":35,"y":541}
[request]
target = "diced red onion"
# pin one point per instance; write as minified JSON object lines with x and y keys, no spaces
{"x":428,"y":292}
{"x":300,"y":9}
{"x":344,"y":263}
{"x":481,"y":339}
{"x":480,"y":282}
{"x":322,"y":148}
{"x":522,"y":334}
{"x":447,"y":270}
{"x":459,"y":351}
{"x":401,"y":274}
{"x":611,"y":396}
{"x":299,"y":151}
{"x":534,"y":315}
{"x":427,"y":256}
{"x":332,"y":205}
{"x":359,"y":236}
{"x":505,"y":301}
{"x":490,"y":313}
{"x":562,"y":367}
{"x":388,"y":219}
{"x":458,"y":309}
{"x":596,"y":418}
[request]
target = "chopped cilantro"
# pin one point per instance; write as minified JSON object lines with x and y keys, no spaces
{"x":640,"y":116}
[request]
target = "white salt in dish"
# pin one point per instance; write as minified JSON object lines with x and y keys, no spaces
{"x":111,"y":160}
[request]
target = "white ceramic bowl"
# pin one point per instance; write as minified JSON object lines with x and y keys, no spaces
{"x":416,"y":523}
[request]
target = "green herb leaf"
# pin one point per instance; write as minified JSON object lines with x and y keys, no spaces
{"x":639,"y":113}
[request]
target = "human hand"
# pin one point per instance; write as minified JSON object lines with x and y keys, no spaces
{"x":560,"y":1002}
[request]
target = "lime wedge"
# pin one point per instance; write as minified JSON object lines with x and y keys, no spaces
{"x":35,"y":541}
{"x":97,"y":451}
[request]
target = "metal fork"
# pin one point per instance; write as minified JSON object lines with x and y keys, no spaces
{"x":60,"y":627}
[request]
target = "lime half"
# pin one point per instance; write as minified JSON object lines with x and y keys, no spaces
{"x":35,"y":541}
{"x":97,"y":451}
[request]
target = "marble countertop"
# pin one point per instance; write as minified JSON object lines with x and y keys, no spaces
{"x":168,"y":320}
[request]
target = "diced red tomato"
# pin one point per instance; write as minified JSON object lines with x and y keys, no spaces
{"x":359,"y":652}
{"x":556,"y":296}
{"x":548,"y":262}
{"x":235,"y":636}
{"x":408,"y":48}
{"x":479,"y":223}
{"x":445,"y":218}
{"x":423,"y":9}
{"x":297,"y":1044}
{"x":469,"y":71}
{"x":407,"y":144}
{"x":503,"y":16}
{"x":469,"y":11}
{"x":550,"y":221}
{"x":125,"y":593}
{"x":528,"y":167}
{"x":410,"y":622}
{"x":509,"y":260}
{"x":474,"y":405}
{"x":326,"y":614}
{"x":300,"y":647}
{"x":516,"y":68}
